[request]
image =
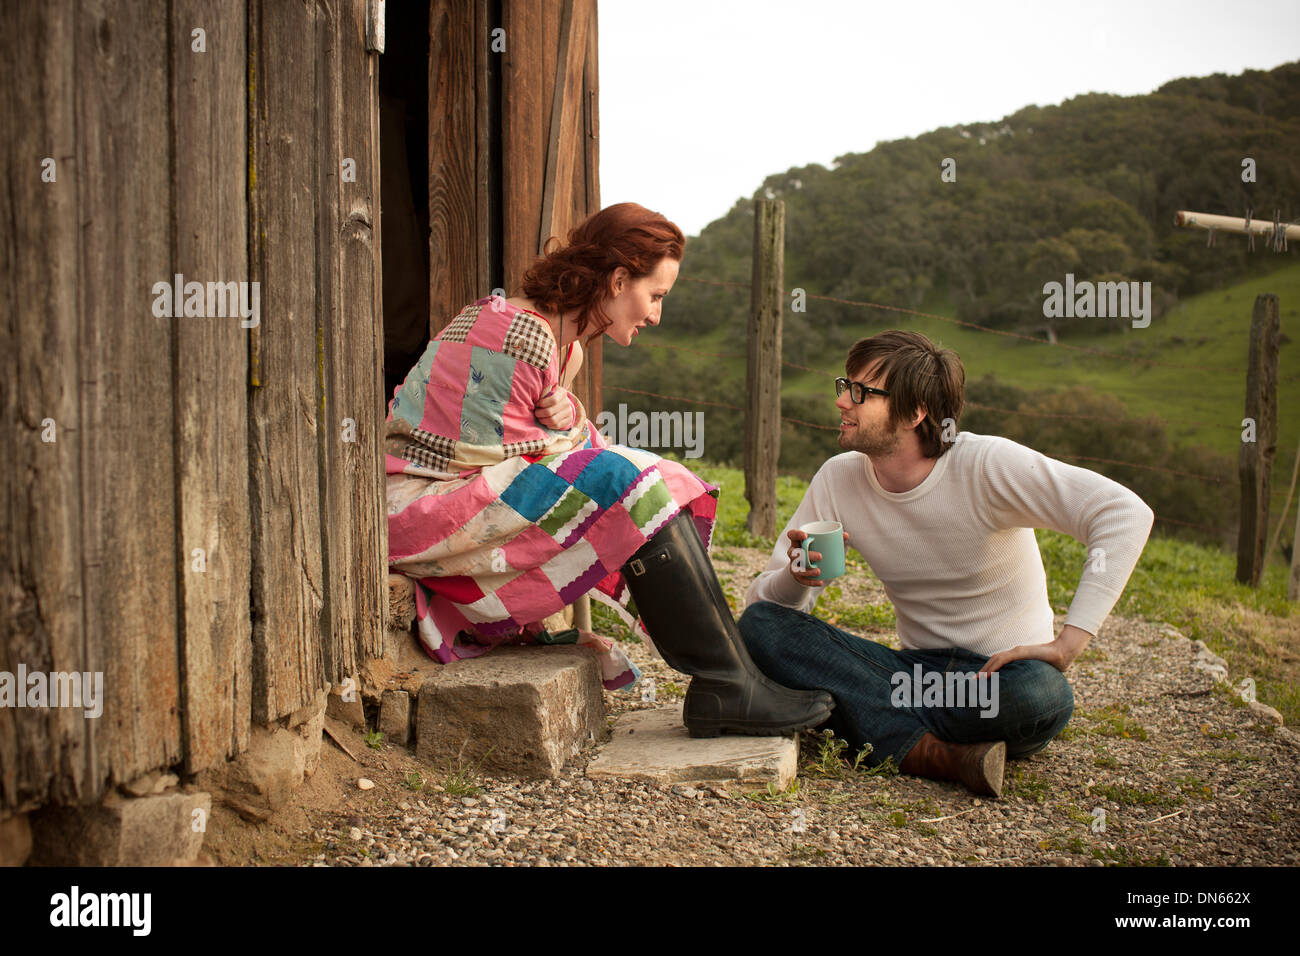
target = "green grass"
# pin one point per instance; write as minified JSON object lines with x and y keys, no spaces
{"x":1194,"y":588}
{"x":804,"y":852}
{"x":461,"y":779}
{"x":1028,"y":786}
{"x":733,"y":508}
{"x":1078,"y":815}
{"x":772,"y":794}
{"x":1122,"y":856}
{"x":1213,"y":734}
{"x":1194,"y":786}
{"x":1112,"y":720}
{"x":1236,"y":756}
{"x":919,"y":814}
{"x":1105,"y":761}
{"x":871,"y":617}
{"x":830,"y":759}
{"x":1170,"y":575}
{"x":1132,"y":796}
{"x":605,"y":621}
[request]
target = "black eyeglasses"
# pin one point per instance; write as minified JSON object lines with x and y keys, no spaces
{"x":858,"y":391}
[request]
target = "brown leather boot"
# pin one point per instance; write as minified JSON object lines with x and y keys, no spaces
{"x":978,"y":766}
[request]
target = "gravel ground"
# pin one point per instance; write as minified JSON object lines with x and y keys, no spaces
{"x":1161,"y":765}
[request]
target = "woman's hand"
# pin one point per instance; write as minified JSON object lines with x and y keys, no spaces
{"x":555,"y":411}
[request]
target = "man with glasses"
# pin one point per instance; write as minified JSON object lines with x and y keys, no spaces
{"x":945,"y":519}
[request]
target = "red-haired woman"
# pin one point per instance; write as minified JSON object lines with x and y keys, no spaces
{"x":505,"y":503}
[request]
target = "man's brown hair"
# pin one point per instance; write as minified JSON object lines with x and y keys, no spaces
{"x":918,"y":375}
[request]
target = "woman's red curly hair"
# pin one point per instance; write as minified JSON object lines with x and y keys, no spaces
{"x":575,"y":276}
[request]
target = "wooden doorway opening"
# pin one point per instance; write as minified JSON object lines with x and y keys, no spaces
{"x":404,"y":188}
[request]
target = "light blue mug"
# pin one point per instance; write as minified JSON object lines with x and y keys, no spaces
{"x":826,"y":538}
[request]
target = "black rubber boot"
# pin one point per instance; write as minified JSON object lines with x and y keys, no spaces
{"x":682,"y":605}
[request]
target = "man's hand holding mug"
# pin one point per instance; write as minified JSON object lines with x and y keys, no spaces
{"x":816,"y":562}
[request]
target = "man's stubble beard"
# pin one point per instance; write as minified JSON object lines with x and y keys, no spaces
{"x":881,"y":444}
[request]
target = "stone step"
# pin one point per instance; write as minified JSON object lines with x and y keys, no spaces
{"x":158,"y":830}
{"x":653,"y":746}
{"x":521,"y":711}
{"x":529,"y":709}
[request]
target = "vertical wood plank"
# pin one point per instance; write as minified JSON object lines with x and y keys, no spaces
{"x":375,"y":550}
{"x":526,"y":83}
{"x":591,"y":102}
{"x":354,"y":492}
{"x":550,"y":167}
{"x":43,"y":753}
{"x":1255,"y":461}
{"x":284,"y":411}
{"x":548,"y":60}
{"x":127,"y":400}
{"x":763,"y":375}
{"x":456,"y":277}
{"x":563,"y":136}
{"x":571,"y":179}
{"x":487,"y":140}
{"x":209,"y":183}
{"x":587,"y":202}
{"x":336,"y":536}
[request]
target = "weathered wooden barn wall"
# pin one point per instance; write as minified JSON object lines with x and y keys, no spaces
{"x":533,"y":169}
{"x":317,"y":407}
{"x":207,"y":527}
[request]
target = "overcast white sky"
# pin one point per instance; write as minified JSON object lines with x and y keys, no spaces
{"x":700,"y":100}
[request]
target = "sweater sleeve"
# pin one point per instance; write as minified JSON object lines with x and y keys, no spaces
{"x":775,"y":583}
{"x":1026,"y":489}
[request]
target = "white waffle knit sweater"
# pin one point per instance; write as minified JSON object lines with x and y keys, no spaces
{"x":957,"y":553}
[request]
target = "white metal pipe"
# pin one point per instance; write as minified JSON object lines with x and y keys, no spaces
{"x":1207,"y":220}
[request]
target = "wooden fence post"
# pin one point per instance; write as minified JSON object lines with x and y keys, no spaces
{"x":763,"y":373}
{"x":1255,"y":464}
{"x":1293,"y":589}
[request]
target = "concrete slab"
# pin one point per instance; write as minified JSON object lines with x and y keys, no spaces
{"x":522,"y":711}
{"x":652,"y":745}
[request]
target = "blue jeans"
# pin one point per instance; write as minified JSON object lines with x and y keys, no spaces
{"x":1030,"y":703}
